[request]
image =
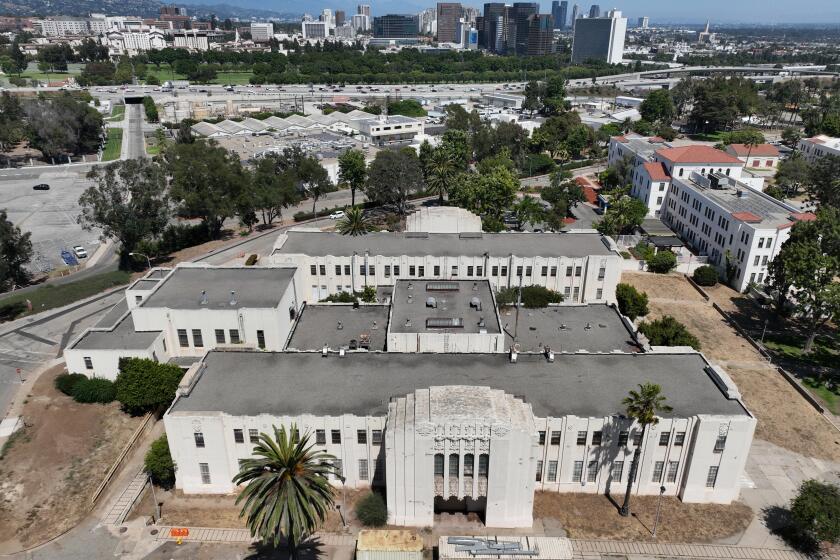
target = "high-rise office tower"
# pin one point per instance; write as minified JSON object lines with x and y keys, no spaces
{"x":395,"y":26}
{"x":518,"y":26}
{"x":448,"y":15}
{"x":643,"y":22}
{"x":575,"y":11}
{"x":491,"y":34}
{"x":600,"y":38}
{"x":540,"y":35}
{"x":340,"y":18}
{"x":363,"y":9}
{"x":595,"y":11}
{"x":559,"y":10}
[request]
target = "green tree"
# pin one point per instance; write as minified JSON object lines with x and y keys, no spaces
{"x":206,"y":181}
{"x":393,"y":176}
{"x":806,"y":271}
{"x":287,"y":493}
{"x":127,"y":201}
{"x":371,"y":510}
{"x":272,"y":188}
{"x":719,"y":102}
{"x":441,"y":172}
{"x":705,"y":275}
{"x":529,"y":210}
{"x":159,"y":464}
{"x":146,"y":385}
{"x":815,"y":511}
{"x":563,"y":193}
{"x":62,"y":125}
{"x":533,"y":93}
{"x":15,"y":252}
{"x":355,"y":223}
{"x":658,"y":107}
{"x":457,"y":144}
{"x":407,"y":107}
{"x":533,"y":297}
{"x":792,"y":173}
{"x":623,"y":215}
{"x":618,"y":175}
{"x":791,"y":136}
{"x":642,"y":406}
{"x":488,"y":195}
{"x":667,"y":331}
{"x":662,"y":262}
{"x":631,"y":302}
{"x":352,"y":171}
{"x":824,"y":184}
{"x":553,"y":96}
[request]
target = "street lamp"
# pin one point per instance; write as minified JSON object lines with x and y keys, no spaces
{"x":343,"y":501}
{"x":764,"y":331}
{"x":148,"y":261}
{"x":658,"y":508}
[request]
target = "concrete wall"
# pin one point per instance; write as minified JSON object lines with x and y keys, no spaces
{"x":106,"y":362}
{"x":451,"y":342}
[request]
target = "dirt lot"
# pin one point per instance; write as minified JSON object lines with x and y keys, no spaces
{"x":784,"y":417}
{"x":50,"y":470}
{"x":591,"y":516}
{"x":221,"y":511}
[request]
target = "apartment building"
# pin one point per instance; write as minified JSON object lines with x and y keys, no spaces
{"x":740,"y":229}
{"x":819,"y":146}
{"x":262,"y":32}
{"x":584,"y":267}
{"x":762,"y":157}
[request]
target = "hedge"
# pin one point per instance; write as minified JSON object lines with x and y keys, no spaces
{"x":94,"y":390}
{"x":533,"y":297}
{"x":144,"y":385}
{"x":705,"y":275}
{"x":371,"y":510}
{"x":159,"y":464}
{"x":67,"y":381}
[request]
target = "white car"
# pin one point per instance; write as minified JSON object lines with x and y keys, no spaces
{"x":337,"y":215}
{"x":80,"y":252}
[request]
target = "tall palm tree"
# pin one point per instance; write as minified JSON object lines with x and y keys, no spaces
{"x":642,"y":406}
{"x":441,"y":172}
{"x":287,"y":493}
{"x":355,"y":223}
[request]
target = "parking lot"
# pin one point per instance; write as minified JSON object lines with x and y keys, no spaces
{"x":50,"y":215}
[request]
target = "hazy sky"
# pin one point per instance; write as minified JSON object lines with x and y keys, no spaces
{"x":725,"y":11}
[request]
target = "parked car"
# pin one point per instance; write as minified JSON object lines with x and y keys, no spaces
{"x":337,"y":215}
{"x":41,"y":187}
{"x":80,"y":252}
{"x":69,"y":258}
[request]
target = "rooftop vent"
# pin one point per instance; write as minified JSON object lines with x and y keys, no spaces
{"x":203,"y":300}
{"x":444,"y":323}
{"x":408,"y":322}
{"x":742,"y":193}
{"x":588,"y":327}
{"x":340,"y":326}
{"x":563,"y":327}
{"x":232,"y":298}
{"x":374,"y":327}
{"x":475,"y":303}
{"x":325,"y":351}
{"x":549,"y":355}
{"x":481,"y":323}
{"x":341,"y":352}
{"x":431,"y":302}
{"x":475,"y":286}
{"x":442,"y":286}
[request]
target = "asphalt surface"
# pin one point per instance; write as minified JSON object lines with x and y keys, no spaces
{"x":133,"y":134}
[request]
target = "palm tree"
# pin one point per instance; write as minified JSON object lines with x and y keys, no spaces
{"x":287,"y":493}
{"x":642,"y":406}
{"x":441,"y":172}
{"x":355,"y":223}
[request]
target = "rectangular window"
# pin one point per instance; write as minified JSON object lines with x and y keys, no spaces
{"x":363,"y":270}
{"x":539,"y":471}
{"x":518,"y":271}
{"x":581,"y":438}
{"x":234,"y":336}
{"x":88,"y":363}
{"x":469,"y":271}
{"x":577,"y":471}
{"x":479,"y":271}
{"x":439,"y":464}
{"x":261,"y":339}
{"x":617,"y":471}
{"x":347,"y":270}
{"x":720,"y":444}
{"x":568,"y":271}
{"x":199,"y":439}
{"x":542,"y":438}
{"x":376,"y":437}
{"x":453,"y":465}
{"x":529,"y":271}
{"x":220,"y":336}
{"x":322,"y":269}
{"x":622,"y":438}
{"x":436,"y":270}
{"x":313,"y":270}
{"x":338,"y":270}
{"x":544,"y":271}
{"x":637,"y":438}
{"x":396,"y":270}
{"x":597,"y":437}
{"x":552,"y":471}
{"x":555,"y":437}
{"x":204,"y":469}
{"x":371,"y":270}
{"x":183,"y":340}
{"x":483,"y":464}
{"x":577,"y":293}
{"x":567,"y":292}
{"x":387,"y":271}
{"x":504,"y":271}
{"x":664,"y":438}
{"x":469,"y":464}
{"x":756,"y":260}
{"x":320,"y":437}
{"x":592,"y":471}
{"x":578,"y":270}
{"x":599,"y":293}
{"x":238,"y":436}
{"x":455,"y":270}
{"x":672,"y":471}
{"x":361,"y":436}
{"x":336,"y":436}
{"x":657,"y":471}
{"x":602,"y":272}
{"x":363,"y":469}
{"x":421,"y":271}
{"x":253,"y":436}
{"x":553,"y":271}
{"x":679,"y":439}
{"x":494,"y":271}
{"x":711,"y":478}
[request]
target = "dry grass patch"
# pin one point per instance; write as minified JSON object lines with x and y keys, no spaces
{"x":594,"y":516}
{"x":50,"y":471}
{"x":663,"y":286}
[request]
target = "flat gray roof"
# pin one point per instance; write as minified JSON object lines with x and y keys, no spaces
{"x":586,"y":385}
{"x":255,"y":287}
{"x":563,"y":328}
{"x":446,"y":244}
{"x":319,"y":325}
{"x":412,"y":310}
{"x":145,"y":284}
{"x":122,"y":337}
{"x":112,"y":316}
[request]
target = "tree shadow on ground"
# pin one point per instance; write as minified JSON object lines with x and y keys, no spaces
{"x":779,"y":521}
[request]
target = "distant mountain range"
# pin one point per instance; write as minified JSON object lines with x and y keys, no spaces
{"x":145,"y":8}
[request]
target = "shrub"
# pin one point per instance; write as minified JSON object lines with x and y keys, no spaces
{"x":667,"y":331}
{"x":705,"y":275}
{"x":341,"y":297}
{"x":67,"y":381}
{"x":631,"y":302}
{"x":644,"y":250}
{"x":662,"y":262}
{"x":159,"y":464}
{"x":815,"y":511}
{"x":94,"y":390}
{"x":368,"y":294}
{"x":251,"y":260}
{"x":371,"y":510}
{"x":144,"y":385}
{"x":533,"y":297}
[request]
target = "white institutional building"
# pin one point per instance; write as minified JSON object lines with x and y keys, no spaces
{"x":434,"y":392}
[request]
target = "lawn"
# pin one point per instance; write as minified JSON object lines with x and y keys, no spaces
{"x":165,"y":73}
{"x":56,"y":295}
{"x":716,"y":136}
{"x":829,"y":397}
{"x":32,"y":73}
{"x":113,"y":147}
{"x":117,"y":113}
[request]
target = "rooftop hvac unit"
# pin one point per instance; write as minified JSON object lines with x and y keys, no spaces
{"x":431,"y":302}
{"x":442,"y":286}
{"x":475,"y":303}
{"x":444,"y":323}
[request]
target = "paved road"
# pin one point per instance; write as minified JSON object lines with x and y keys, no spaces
{"x":135,"y":146}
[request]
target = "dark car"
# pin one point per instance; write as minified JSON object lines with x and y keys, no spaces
{"x":41,"y":187}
